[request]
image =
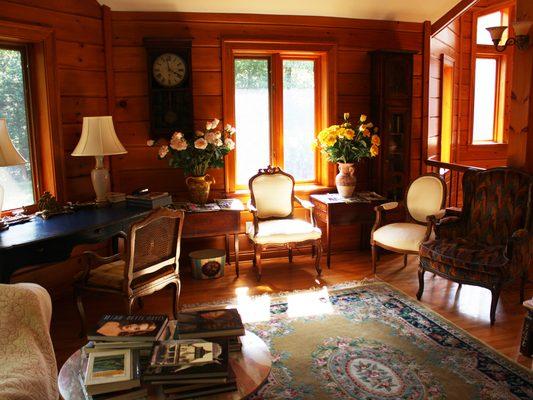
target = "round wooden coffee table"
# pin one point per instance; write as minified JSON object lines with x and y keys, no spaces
{"x":251,"y":366}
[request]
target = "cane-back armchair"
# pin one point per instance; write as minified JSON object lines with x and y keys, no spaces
{"x":272,"y":206}
{"x":425,"y":197}
{"x":151,"y":262}
{"x":490,"y":243}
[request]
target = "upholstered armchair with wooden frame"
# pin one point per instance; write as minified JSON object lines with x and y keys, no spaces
{"x":272,"y":206}
{"x":151,"y":262}
{"x":425,"y":198}
{"x":490,"y":242}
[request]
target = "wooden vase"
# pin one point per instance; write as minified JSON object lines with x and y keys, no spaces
{"x":198,"y":187}
{"x":345,"y":179}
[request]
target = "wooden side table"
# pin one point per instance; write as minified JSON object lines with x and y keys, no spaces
{"x":251,"y":365}
{"x":334,"y":211}
{"x":215,"y":223}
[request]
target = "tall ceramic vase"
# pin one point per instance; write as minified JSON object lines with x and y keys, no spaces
{"x":199,"y":187}
{"x":345,"y":180}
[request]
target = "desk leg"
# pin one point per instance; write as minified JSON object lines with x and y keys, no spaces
{"x":236,"y":245}
{"x":228,"y":258}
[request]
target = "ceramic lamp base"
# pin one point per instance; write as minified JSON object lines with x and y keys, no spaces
{"x":101,"y":180}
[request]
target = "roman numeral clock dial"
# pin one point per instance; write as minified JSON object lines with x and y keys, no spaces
{"x":169,"y":86}
{"x":169,"y":70}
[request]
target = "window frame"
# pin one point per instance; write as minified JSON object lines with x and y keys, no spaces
{"x":324,"y":54}
{"x":447,"y":108}
{"x":503,"y":78}
{"x":32,"y":142}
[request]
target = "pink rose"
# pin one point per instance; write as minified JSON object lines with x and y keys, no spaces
{"x":199,"y":133}
{"x":178,"y":144}
{"x":200,"y":144}
{"x":215,"y":123}
{"x":177,"y":135}
{"x":163,"y":151}
{"x":210,"y":137}
{"x":150,"y":142}
{"x":230,"y":144}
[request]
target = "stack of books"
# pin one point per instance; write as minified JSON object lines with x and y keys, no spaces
{"x":190,"y":368}
{"x":114,"y":356}
{"x":150,"y":200}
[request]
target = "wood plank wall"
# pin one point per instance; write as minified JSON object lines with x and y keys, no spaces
{"x":354,"y":37}
{"x":455,"y":41}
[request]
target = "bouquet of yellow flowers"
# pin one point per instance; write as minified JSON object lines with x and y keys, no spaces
{"x":349,"y":143}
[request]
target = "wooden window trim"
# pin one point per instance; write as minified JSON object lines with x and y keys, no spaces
{"x":503,"y":78}
{"x":447,"y":62}
{"x":325,"y":54}
{"x":44,"y":103}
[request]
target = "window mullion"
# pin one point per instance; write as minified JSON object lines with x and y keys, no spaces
{"x":277,"y":110}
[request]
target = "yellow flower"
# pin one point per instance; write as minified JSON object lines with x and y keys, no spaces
{"x":349,"y":134}
{"x":376,"y":140}
{"x":314,"y":144}
{"x":362,"y":118}
{"x":330,"y":140}
{"x":374,"y":150}
{"x":340,"y":132}
{"x":366,"y":133}
{"x":346,"y":116}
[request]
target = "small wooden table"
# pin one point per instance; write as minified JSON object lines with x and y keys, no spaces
{"x":251,"y":365}
{"x":332,"y":211}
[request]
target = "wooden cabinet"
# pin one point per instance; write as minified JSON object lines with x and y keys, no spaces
{"x":392,"y":82}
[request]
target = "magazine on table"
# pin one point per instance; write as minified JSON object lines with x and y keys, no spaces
{"x":185,"y":353}
{"x":127,"y":328}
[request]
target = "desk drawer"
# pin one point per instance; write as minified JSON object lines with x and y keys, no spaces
{"x":211,"y":223}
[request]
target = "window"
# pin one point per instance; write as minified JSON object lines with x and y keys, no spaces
{"x":490,"y":69}
{"x":287,"y":144}
{"x":277,"y":98}
{"x":17,"y":180}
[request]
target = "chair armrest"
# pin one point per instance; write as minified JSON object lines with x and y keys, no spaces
{"x":253,"y":210}
{"x":449,"y":227}
{"x":432,"y":222}
{"x":308,"y":206}
{"x":90,"y":260}
{"x":379,"y":215}
{"x":251,"y":207}
{"x":519,"y":248}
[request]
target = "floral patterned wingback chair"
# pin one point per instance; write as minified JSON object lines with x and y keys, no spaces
{"x":491,"y":242}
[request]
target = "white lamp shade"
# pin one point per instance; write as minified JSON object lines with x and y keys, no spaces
{"x":8,"y":154}
{"x":98,"y":138}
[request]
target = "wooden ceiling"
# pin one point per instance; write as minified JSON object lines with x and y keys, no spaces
{"x":392,"y":10}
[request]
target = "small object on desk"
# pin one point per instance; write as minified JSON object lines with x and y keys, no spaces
{"x":150,"y":199}
{"x":116,"y":197}
{"x":230,"y":204}
{"x":49,"y":206}
{"x":208,"y":263}
{"x":208,"y":207}
{"x":17,"y":219}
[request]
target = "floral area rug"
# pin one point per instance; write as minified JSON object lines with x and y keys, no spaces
{"x":372,"y":342}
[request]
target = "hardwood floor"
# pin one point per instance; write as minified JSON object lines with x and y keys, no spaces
{"x":467,"y":307}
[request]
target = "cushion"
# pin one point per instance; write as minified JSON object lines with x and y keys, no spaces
{"x":401,"y":236}
{"x":425,"y":197}
{"x":273,"y":195}
{"x":460,"y":253}
{"x":112,"y":276}
{"x":280,"y":231}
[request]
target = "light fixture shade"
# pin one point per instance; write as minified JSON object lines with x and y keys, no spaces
{"x":8,"y":154}
{"x":496,"y":32}
{"x":521,"y":28}
{"x":98,"y":138}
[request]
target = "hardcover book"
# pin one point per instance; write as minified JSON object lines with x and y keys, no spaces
{"x":204,"y":324}
{"x":128,"y":328}
{"x":187,"y":353}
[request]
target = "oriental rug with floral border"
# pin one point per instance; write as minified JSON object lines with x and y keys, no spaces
{"x":369,"y":341}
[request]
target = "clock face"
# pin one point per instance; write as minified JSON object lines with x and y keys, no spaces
{"x":169,"y":69}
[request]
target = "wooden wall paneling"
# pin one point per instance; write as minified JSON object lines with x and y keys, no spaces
{"x":426,"y":54}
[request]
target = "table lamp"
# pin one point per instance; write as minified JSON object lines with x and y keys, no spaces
{"x":8,"y":156}
{"x":99,"y":139}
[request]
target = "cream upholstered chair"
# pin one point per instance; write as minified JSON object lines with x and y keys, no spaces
{"x":425,"y":197}
{"x":272,"y":207}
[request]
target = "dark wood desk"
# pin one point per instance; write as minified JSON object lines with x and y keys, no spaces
{"x":334,"y":212}
{"x":48,"y":241}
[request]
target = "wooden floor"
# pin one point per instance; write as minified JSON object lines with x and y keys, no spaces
{"x":467,"y":307}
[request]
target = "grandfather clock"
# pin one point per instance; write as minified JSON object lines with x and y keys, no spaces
{"x":391,"y":103}
{"x":170,"y":86}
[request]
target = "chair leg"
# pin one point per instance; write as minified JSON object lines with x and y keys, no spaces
{"x":494,"y":303}
{"x":405,"y":260}
{"x":290,"y":254}
{"x":176,"y":298}
{"x":374,"y":257}
{"x":81,"y":313}
{"x":257,"y":258}
{"x":129,"y":304}
{"x":254,"y":263}
{"x":317,"y":258}
{"x":421,"y":272}
{"x":523,"y":286}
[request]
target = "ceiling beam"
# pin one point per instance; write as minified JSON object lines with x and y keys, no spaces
{"x":455,"y":12}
